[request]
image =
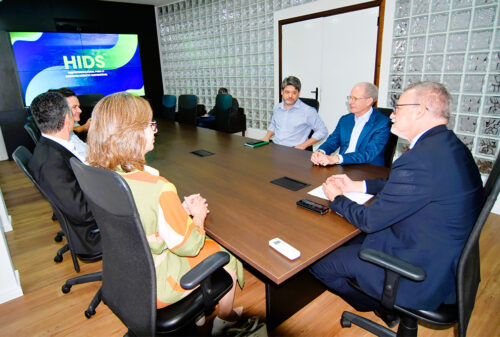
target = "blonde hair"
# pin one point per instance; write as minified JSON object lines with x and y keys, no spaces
{"x":116,"y":137}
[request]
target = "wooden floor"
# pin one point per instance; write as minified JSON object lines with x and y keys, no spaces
{"x":45,"y":311}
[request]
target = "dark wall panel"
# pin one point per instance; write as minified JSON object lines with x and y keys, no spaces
{"x":89,"y":16}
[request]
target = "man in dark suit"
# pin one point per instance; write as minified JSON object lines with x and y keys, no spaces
{"x":423,"y":213}
{"x":51,"y":168}
{"x":361,"y":135}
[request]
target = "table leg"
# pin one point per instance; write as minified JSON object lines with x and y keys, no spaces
{"x":284,"y":300}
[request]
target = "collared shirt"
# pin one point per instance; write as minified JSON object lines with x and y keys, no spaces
{"x":68,"y":145}
{"x":417,"y":137}
{"x":359,"y":124}
{"x":80,"y":146}
{"x":292,"y":127}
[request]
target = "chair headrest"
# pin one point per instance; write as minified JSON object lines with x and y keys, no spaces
{"x":168,"y":101}
{"x":188,"y":101}
{"x":104,"y":187}
{"x":89,"y":99}
{"x":223,"y":101}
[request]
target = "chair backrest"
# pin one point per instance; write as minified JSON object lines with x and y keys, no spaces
{"x":87,"y":104}
{"x":187,"y":106}
{"x":128,"y":275}
{"x":32,"y":129}
{"x":22,"y":157}
{"x":311,"y":102}
{"x":468,"y":271}
{"x":168,"y":107}
{"x":392,"y":142}
{"x":223,"y":106}
{"x":315,"y":104}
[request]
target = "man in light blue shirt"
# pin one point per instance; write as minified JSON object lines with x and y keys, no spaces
{"x":293,"y":120}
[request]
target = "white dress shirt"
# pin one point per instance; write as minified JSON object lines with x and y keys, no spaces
{"x":70,"y":146}
{"x":359,"y":124}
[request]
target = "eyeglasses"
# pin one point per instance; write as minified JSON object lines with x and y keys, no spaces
{"x":354,"y":99}
{"x":397,"y":106}
{"x":154,"y":126}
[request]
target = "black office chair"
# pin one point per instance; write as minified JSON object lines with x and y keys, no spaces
{"x":315,"y":104}
{"x":168,"y":105}
{"x":392,"y":142}
{"x":87,"y":104}
{"x":129,"y":279}
{"x":34,"y":132}
{"x":32,"y":129}
{"x":311,"y":102}
{"x":188,"y":112}
{"x":467,"y":280}
{"x":225,"y":120}
{"x":22,"y":157}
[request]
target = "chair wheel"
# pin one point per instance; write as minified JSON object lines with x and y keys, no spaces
{"x":58,"y":258}
{"x":58,"y":238}
{"x":345,"y":323}
{"x":66,"y":288}
{"x":89,"y":313}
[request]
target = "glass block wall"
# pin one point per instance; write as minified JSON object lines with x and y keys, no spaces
{"x":456,"y":42}
{"x":207,"y":44}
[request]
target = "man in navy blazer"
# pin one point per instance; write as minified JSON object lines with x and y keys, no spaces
{"x":50,"y":167}
{"x":361,"y":135}
{"x":423,"y":213}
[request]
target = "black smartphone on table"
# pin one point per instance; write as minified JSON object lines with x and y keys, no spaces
{"x":313,"y":206}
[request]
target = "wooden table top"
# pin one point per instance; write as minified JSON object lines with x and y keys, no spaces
{"x":246,"y":210}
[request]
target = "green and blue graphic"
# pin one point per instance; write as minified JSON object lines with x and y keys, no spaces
{"x":86,"y":63}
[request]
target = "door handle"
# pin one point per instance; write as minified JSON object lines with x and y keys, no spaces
{"x":315,"y":92}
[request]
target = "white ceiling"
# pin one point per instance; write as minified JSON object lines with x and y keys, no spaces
{"x":146,"y":2}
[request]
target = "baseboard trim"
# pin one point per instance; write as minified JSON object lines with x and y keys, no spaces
{"x":12,"y":292}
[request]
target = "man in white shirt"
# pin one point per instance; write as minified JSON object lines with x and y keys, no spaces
{"x":80,"y":146}
{"x":361,"y":135}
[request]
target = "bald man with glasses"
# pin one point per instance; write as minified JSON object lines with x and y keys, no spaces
{"x":423,"y":213}
{"x":361,"y":135}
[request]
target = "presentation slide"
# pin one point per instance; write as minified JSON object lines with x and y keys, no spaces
{"x":86,"y":63}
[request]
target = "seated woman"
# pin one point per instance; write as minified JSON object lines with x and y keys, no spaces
{"x":120,"y":134}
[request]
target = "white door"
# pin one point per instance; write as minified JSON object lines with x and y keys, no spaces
{"x":332,"y":53}
{"x":299,"y":42}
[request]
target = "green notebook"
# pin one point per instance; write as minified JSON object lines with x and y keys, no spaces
{"x":256,"y":143}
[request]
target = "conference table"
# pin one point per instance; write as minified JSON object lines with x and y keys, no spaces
{"x":247,"y":210}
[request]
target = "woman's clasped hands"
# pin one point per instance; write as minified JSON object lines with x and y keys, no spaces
{"x":196,"y":206}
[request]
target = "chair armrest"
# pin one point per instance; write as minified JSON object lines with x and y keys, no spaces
{"x":204,"y":269}
{"x":393,"y":264}
{"x":237,"y":123}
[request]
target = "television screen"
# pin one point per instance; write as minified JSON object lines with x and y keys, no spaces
{"x":86,"y":63}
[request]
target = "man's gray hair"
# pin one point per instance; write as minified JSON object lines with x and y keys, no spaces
{"x":291,"y":80}
{"x":434,"y":96}
{"x":370,"y":89}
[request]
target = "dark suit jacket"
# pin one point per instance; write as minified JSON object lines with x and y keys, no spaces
{"x":51,"y":168}
{"x":371,"y":142}
{"x":423,"y":213}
